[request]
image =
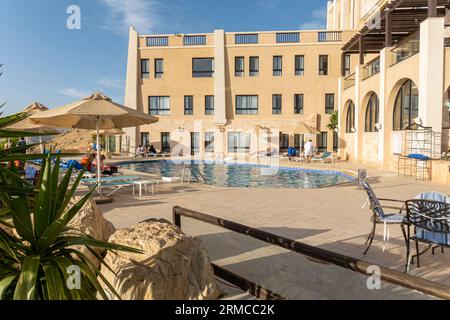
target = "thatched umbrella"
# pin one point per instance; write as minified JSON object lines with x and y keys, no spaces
{"x":28,"y":125}
{"x":94,"y":112}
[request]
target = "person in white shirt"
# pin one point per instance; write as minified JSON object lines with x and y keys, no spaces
{"x":309,"y":149}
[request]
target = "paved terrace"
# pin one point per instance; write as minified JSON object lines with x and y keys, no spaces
{"x":331,"y":218}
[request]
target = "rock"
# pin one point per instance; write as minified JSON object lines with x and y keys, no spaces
{"x":90,"y":220}
{"x":173,"y":266}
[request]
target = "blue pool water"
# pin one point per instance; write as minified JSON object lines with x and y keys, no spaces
{"x":245,"y":175}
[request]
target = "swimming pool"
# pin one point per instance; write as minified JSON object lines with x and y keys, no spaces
{"x":245,"y":175}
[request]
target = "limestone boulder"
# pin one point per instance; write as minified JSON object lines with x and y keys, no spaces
{"x":173,"y":266}
{"x":90,"y":221}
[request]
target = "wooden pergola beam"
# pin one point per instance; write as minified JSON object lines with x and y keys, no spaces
{"x":432,"y":8}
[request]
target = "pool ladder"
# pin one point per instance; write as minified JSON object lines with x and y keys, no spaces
{"x":189,"y":172}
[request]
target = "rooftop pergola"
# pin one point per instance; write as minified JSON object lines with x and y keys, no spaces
{"x":397,"y":20}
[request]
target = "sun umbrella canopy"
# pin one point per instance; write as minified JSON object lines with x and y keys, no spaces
{"x":112,"y":132}
{"x":305,"y":129}
{"x":28,"y":125}
{"x":95,"y":111}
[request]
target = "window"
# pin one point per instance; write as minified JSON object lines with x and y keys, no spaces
{"x":300,"y":65}
{"x":239,"y":142}
{"x":277,"y":66}
{"x":287,"y":37}
{"x":276,"y":104}
{"x":159,"y":68}
{"x":329,"y":103}
{"x":246,"y":104}
{"x":299,"y":141}
{"x":323,"y":65}
{"x":246,"y":38}
{"x":298,"y":104}
{"x":372,"y":114}
{"x":254,"y":66}
{"x":157,"y":41}
{"x":322,"y":141}
{"x":159,"y":105}
{"x":209,"y":142}
{"x":188,"y":105}
{"x":145,"y":138}
{"x":165,"y":142}
{"x":195,"y":143}
{"x":209,"y":105}
{"x":347,"y":65}
{"x":406,"y":107}
{"x":284,"y":142}
{"x":202,"y":67}
{"x":239,"y":66}
{"x":145,"y":68}
{"x":350,"y":119}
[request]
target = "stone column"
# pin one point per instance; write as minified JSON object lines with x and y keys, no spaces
{"x":219,"y":78}
{"x":130,"y":140}
{"x":431,"y":72}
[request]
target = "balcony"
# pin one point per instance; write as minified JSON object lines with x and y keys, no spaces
{"x":349,"y":81}
{"x":406,"y":49}
{"x":329,"y":36}
{"x":370,"y":69}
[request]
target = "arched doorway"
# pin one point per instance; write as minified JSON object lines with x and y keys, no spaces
{"x":406,"y":106}
{"x":350,"y":118}
{"x":372,"y":114}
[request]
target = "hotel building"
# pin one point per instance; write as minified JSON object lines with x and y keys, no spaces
{"x":381,"y":64}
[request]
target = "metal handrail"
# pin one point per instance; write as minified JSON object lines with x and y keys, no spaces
{"x":192,"y":171}
{"x":391,"y":276}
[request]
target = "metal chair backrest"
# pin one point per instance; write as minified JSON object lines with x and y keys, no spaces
{"x":428,"y":215}
{"x":374,"y":202}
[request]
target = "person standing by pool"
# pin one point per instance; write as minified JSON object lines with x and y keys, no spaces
{"x":309,"y":149}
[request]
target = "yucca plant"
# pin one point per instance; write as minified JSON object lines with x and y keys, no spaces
{"x":35,"y":261}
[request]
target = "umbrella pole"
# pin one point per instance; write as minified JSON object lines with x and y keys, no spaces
{"x":98,"y":161}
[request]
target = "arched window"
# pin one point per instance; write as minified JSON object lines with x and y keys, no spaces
{"x":372,"y":113}
{"x":406,"y":107}
{"x":350,"y":122}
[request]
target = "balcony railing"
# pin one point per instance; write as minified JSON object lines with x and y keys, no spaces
{"x":371,"y":69}
{"x":406,"y":49}
{"x":329,"y":36}
{"x":246,"y":38}
{"x":157,"y":41}
{"x":349,"y":81}
{"x":194,"y":40}
{"x":287,"y":37}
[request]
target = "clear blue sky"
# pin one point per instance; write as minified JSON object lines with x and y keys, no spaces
{"x":46,"y":62}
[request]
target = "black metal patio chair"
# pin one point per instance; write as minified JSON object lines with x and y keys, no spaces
{"x":426,"y":221}
{"x":379,"y":216}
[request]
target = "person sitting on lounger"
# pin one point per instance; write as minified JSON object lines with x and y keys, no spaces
{"x":106,"y":170}
{"x":152,"y":151}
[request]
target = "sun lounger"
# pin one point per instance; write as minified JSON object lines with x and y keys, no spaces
{"x":325,"y":157}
